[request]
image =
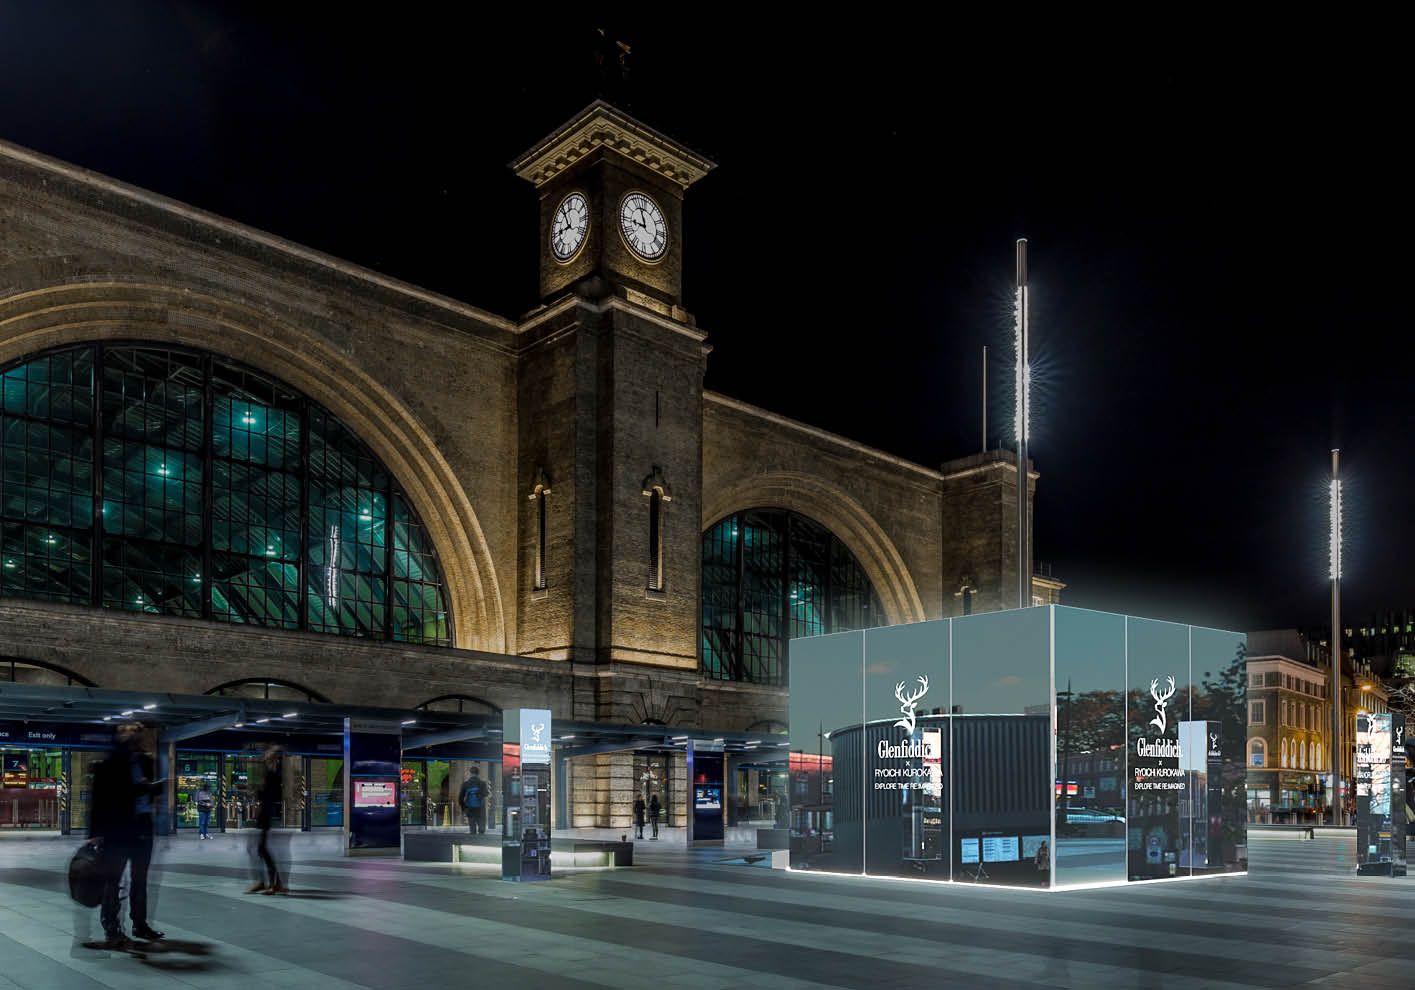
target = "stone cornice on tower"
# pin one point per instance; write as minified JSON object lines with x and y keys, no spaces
{"x":601,"y":125}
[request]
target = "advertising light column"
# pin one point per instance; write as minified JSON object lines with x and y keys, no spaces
{"x":525,"y":776}
{"x":1022,"y":385}
{"x":1338,"y":808}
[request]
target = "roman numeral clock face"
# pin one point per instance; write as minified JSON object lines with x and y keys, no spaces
{"x":642,"y":224}
{"x":569,"y":226}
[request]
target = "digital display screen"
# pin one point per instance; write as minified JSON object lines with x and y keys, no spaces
{"x":999,"y":849}
{"x":1032,"y":843}
{"x":707,"y":798}
{"x":970,"y":851}
{"x":375,"y":794}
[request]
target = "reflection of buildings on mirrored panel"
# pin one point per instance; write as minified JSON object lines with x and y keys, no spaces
{"x":1134,"y":771}
{"x":1288,"y":733}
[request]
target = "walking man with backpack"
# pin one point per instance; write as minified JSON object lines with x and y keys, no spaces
{"x":472,"y":798}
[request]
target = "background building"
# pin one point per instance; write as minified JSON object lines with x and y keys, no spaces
{"x":230,"y":464}
{"x":1289,"y":723}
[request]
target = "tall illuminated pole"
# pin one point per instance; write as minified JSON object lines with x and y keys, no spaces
{"x":1338,"y":807}
{"x":1020,"y":319}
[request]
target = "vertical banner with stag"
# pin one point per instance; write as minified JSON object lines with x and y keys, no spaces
{"x":1158,"y":809}
{"x":1380,"y":794}
{"x":906,"y":750}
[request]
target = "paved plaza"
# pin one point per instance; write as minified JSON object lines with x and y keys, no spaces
{"x":706,"y":919}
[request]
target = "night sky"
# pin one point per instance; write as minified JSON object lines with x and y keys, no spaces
{"x":1214,"y":229}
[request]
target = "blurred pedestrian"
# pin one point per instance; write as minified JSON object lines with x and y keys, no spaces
{"x":120,"y":827}
{"x":655,"y":809}
{"x":205,"y":803}
{"x":271,"y":792}
{"x":639,"y":809}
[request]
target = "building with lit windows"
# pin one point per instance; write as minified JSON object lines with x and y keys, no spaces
{"x":233,"y":466}
{"x":1289,"y":723}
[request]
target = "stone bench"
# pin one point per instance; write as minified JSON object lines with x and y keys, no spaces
{"x":455,"y":847}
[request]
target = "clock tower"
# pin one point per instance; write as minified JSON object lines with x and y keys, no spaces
{"x":611,"y":209}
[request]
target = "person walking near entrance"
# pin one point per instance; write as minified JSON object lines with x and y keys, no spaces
{"x":655,"y":809}
{"x":271,"y":792}
{"x":120,"y":827}
{"x":472,"y":798}
{"x":205,"y":803}
{"x":639,"y":809}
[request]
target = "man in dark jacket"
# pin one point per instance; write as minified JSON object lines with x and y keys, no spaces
{"x":473,"y":801}
{"x":120,"y":826}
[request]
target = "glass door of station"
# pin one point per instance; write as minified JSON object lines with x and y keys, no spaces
{"x":29,"y":788}
{"x":761,"y":796}
{"x":326,"y":792}
{"x":241,"y":777}
{"x":311,"y":792}
{"x":196,"y":772}
{"x":81,"y":764}
{"x":431,"y":792}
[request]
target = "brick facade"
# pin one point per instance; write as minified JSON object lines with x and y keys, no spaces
{"x":591,"y":394}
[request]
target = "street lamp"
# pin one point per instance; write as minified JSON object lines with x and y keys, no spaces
{"x":1338,"y":810}
{"x":1021,"y":418}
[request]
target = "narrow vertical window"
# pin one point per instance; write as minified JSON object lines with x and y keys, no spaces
{"x":656,"y":541}
{"x":540,"y":542}
{"x":538,"y":495}
{"x":655,"y":489}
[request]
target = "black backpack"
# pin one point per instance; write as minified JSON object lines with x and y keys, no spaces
{"x":86,"y":876}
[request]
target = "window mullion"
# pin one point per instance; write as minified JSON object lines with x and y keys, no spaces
{"x":785,"y":635}
{"x":389,"y":528}
{"x":208,"y":483}
{"x":96,"y":541}
{"x":739,"y":659}
{"x":302,"y":601}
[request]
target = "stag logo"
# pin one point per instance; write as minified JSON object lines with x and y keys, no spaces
{"x":1161,"y":718}
{"x":908,"y":702}
{"x":1400,"y":736}
{"x":536,"y":730}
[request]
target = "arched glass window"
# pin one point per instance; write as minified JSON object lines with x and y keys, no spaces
{"x":1257,"y":753}
{"x":17,"y":670}
{"x":268,"y":690}
{"x":163,"y":480}
{"x":769,"y":576}
{"x":459,"y":703}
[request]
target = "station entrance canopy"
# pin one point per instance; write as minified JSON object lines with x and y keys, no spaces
{"x":82,"y":719}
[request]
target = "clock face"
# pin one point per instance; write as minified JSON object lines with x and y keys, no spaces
{"x":642,"y":224}
{"x":569,"y":226}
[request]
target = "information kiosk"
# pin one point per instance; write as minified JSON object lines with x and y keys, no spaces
{"x":525,"y":775}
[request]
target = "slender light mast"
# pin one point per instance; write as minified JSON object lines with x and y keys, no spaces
{"x":1023,"y":385}
{"x":985,"y":398}
{"x":1338,"y":808}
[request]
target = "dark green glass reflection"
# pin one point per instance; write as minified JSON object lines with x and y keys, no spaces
{"x":770,"y":576}
{"x":225,"y":495}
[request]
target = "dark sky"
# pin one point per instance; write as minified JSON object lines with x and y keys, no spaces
{"x":1214,"y":222}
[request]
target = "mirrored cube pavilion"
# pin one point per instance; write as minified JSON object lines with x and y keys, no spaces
{"x":1040,"y":747}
